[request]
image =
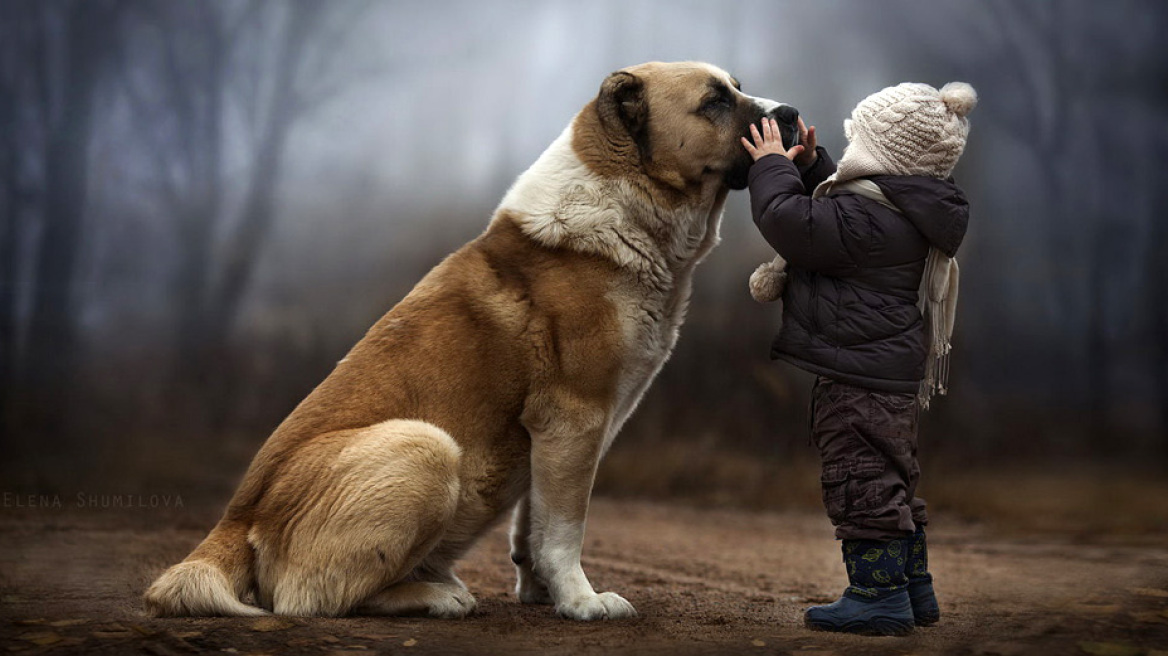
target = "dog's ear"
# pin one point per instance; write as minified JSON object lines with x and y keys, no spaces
{"x":622,"y":105}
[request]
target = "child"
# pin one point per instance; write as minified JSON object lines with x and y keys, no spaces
{"x":874,"y":238}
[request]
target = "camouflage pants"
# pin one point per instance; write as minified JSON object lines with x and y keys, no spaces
{"x":867,"y":443}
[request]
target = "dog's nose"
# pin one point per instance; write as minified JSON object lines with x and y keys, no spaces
{"x":786,"y":114}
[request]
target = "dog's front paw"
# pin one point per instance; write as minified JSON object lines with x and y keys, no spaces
{"x":603,"y":606}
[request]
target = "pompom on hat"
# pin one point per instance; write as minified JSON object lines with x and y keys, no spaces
{"x":908,"y":129}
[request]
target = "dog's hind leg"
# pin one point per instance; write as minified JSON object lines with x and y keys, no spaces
{"x":431,"y":589}
{"x":443,"y":600}
{"x":354,"y":513}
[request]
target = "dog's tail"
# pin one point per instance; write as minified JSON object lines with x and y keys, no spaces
{"x":211,"y":581}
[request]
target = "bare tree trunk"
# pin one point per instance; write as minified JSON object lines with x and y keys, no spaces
{"x":1099,"y":440}
{"x":9,"y":239}
{"x":12,"y":52}
{"x":260,"y":200}
{"x":1157,"y":297}
{"x":203,"y":113}
{"x":52,"y":343}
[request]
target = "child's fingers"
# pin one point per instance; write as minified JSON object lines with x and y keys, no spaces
{"x":754,"y":133}
{"x":811,"y":142}
{"x":749,"y":147}
{"x":794,"y":152}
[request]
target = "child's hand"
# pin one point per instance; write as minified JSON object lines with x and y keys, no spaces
{"x":807,"y":140}
{"x":769,"y":142}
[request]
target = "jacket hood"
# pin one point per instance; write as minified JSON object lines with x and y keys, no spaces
{"x":937,"y":208}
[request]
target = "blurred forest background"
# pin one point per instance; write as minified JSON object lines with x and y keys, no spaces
{"x":203,"y":205}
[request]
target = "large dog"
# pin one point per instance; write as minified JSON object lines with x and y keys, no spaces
{"x":497,"y":383}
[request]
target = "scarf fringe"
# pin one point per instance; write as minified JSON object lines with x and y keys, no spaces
{"x":938,"y":304}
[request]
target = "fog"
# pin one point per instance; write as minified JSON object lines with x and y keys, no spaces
{"x":204,"y":205}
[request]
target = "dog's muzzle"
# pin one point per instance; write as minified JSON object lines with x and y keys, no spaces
{"x":788,"y":119}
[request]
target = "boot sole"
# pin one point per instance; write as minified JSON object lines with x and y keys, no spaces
{"x":879,"y":626}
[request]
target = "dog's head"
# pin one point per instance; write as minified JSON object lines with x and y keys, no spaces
{"x":680,"y":122}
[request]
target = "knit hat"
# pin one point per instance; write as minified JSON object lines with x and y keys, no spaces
{"x":908,"y":129}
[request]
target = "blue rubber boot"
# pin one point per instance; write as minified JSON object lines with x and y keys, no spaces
{"x":920,"y":581}
{"x":876,"y":602}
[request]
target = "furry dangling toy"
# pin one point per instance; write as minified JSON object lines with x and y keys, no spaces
{"x":768,"y":280}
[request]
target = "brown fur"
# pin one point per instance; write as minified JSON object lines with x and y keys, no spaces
{"x":499,"y":375}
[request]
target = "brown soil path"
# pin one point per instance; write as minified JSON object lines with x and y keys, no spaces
{"x":704,"y":581}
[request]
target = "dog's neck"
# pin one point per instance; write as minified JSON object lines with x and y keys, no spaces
{"x":561,"y":202}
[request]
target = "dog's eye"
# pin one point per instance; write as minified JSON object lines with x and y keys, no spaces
{"x":717,"y":102}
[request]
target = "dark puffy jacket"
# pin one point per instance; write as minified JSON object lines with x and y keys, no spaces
{"x":854,"y":265}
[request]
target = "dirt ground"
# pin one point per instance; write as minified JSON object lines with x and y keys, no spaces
{"x":704,"y":581}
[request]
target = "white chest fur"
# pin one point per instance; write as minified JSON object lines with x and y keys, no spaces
{"x":560,"y":202}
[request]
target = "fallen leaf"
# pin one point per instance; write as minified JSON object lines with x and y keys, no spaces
{"x":33,"y":622}
{"x":187,"y":634}
{"x":1000,"y":649}
{"x":112,"y":634}
{"x":41,"y":638}
{"x":1150,"y":617}
{"x":158,"y":649}
{"x":69,"y":622}
{"x":330,"y":638}
{"x":271,"y":624}
{"x":1110,"y":649}
{"x":409,"y":643}
{"x":1150,"y":592}
{"x":141,"y":630}
{"x":376,"y":637}
{"x":1099,"y":609}
{"x":758,"y":643}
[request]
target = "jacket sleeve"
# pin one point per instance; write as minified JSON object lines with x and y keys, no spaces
{"x":809,"y":234}
{"x":820,"y":170}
